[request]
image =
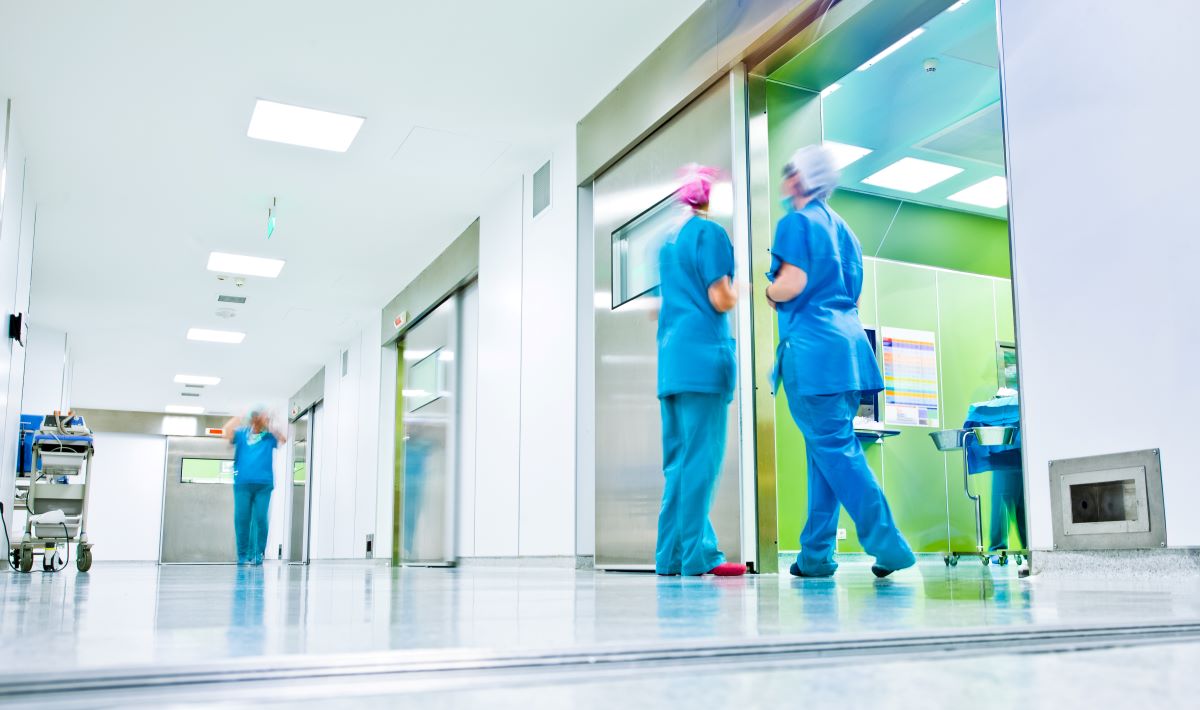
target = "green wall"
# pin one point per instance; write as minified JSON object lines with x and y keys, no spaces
{"x":967,"y":313}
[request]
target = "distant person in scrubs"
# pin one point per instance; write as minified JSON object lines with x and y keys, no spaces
{"x":254,"y":442}
{"x":696,"y":369}
{"x":826,"y":363}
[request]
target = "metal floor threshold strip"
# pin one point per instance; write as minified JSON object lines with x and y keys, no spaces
{"x":447,"y":669}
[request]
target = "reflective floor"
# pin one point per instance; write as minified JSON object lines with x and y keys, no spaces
{"x":143,"y":614}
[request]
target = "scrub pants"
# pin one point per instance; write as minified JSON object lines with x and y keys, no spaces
{"x":1008,"y":500}
{"x":838,"y":475}
{"x":251,"y":501}
{"x":693,"y":427}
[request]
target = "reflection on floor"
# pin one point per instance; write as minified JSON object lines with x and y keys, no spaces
{"x":144,"y":614}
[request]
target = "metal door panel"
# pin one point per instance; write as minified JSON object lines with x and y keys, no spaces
{"x":300,"y":494}
{"x":429,"y":409}
{"x":628,"y":422}
{"x":197,"y":517}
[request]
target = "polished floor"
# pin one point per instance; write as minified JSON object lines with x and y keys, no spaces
{"x":144,"y":614}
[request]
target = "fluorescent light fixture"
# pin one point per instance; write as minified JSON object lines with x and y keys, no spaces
{"x":991,"y":193}
{"x":897,"y":45}
{"x":295,"y":125}
{"x":830,"y":89}
{"x":957,"y":5}
{"x":244,"y":265}
{"x":844,"y":153}
{"x":203,"y":380}
{"x":183,"y":409}
{"x":912,"y":175}
{"x":215,"y":336}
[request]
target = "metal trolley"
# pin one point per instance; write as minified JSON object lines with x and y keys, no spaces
{"x":957,"y":440}
{"x":54,"y":475}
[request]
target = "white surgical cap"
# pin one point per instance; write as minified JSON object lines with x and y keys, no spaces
{"x":818,"y":173}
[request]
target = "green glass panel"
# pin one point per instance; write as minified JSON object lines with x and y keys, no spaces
{"x":207,"y":471}
{"x":1005,"y":326}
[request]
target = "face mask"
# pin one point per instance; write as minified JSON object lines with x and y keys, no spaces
{"x":787,"y":204}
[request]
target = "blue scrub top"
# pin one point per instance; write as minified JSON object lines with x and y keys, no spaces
{"x":822,"y":346}
{"x":695,"y":348}
{"x":252,"y":461}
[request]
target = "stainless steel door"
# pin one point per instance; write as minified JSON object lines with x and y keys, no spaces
{"x":429,"y":411}
{"x":300,"y":488}
{"x":197,"y":520}
{"x":635,"y":192}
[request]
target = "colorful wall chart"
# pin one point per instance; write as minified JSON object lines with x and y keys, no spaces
{"x":910,"y":377}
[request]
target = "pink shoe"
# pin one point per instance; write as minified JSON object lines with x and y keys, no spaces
{"x":728,"y":569}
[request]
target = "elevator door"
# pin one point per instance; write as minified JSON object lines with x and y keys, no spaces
{"x":634,"y":212}
{"x":197,"y":520}
{"x":429,"y":409}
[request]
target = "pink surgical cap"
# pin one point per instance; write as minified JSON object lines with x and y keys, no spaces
{"x":697,"y":184}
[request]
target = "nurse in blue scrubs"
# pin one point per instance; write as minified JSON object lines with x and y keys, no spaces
{"x":826,"y":363}
{"x":254,"y":442}
{"x":696,"y":369}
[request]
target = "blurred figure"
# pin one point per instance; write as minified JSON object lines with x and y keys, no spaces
{"x":696,"y":370}
{"x":254,"y":442}
{"x":826,"y":362}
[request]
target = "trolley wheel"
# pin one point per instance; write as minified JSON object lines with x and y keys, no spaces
{"x":1003,"y":559}
{"x":1018,"y":559}
{"x":985,"y":560}
{"x":14,"y":557}
{"x":26,"y":559}
{"x":48,"y":560}
{"x":946,"y":559}
{"x":83,"y":558}
{"x":954,"y":560}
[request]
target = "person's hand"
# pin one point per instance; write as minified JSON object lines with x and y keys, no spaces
{"x":772,"y":304}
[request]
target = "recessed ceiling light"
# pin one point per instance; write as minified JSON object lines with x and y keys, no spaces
{"x":912,"y":175}
{"x":957,"y":5}
{"x":197,"y":380}
{"x":991,"y":193}
{"x":830,"y":89}
{"x":844,"y":153}
{"x":183,"y":409}
{"x":887,"y":52}
{"x":215,"y":336}
{"x":244,"y":265}
{"x":295,"y":125}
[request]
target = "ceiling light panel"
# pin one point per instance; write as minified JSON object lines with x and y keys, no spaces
{"x":215,"y":336}
{"x":912,"y":175}
{"x":307,"y":127}
{"x":888,"y":52}
{"x":244,"y":265}
{"x":202,"y":380}
{"x":844,"y":153}
{"x":991,"y":193}
{"x":830,"y":89}
{"x":183,"y":409}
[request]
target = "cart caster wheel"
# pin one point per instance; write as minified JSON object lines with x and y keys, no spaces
{"x":1018,"y":560}
{"x":985,"y":560}
{"x":953,"y":560}
{"x":48,"y":561}
{"x":83,"y":559}
{"x":1003,"y":560}
{"x":946,"y":559}
{"x":14,"y":557}
{"x":26,"y":564}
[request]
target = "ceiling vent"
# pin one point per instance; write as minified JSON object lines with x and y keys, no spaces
{"x":197,"y":387}
{"x":231,"y":299}
{"x":979,"y":137}
{"x":189,"y":394}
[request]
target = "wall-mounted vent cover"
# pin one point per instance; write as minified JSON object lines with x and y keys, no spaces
{"x":189,"y":394}
{"x":345,"y":362}
{"x":231,"y":299}
{"x":1108,"y":502}
{"x":197,"y":387}
{"x":541,"y":189}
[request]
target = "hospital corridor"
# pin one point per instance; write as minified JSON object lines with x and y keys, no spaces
{"x":694,"y":353}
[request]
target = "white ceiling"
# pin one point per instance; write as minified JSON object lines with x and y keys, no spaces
{"x":134,"y":117}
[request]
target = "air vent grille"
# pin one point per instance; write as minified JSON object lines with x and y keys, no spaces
{"x":189,"y":394}
{"x":231,"y":299}
{"x":198,"y":387}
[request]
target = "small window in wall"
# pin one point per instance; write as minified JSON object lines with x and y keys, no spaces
{"x":541,"y":189}
{"x":207,"y":471}
{"x":635,"y":248}
{"x":299,"y":471}
{"x":424,"y":382}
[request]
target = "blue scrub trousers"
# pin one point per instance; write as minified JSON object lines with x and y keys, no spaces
{"x":693,"y":427}
{"x":1008,"y":501}
{"x":838,"y":475}
{"x":251,"y":501}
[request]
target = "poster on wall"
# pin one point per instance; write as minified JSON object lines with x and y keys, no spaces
{"x":910,"y":377}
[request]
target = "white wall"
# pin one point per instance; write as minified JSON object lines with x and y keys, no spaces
{"x":126,"y":496}
{"x":48,"y":371}
{"x":1102,"y":154}
{"x":17,"y":226}
{"x":346,"y":485}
